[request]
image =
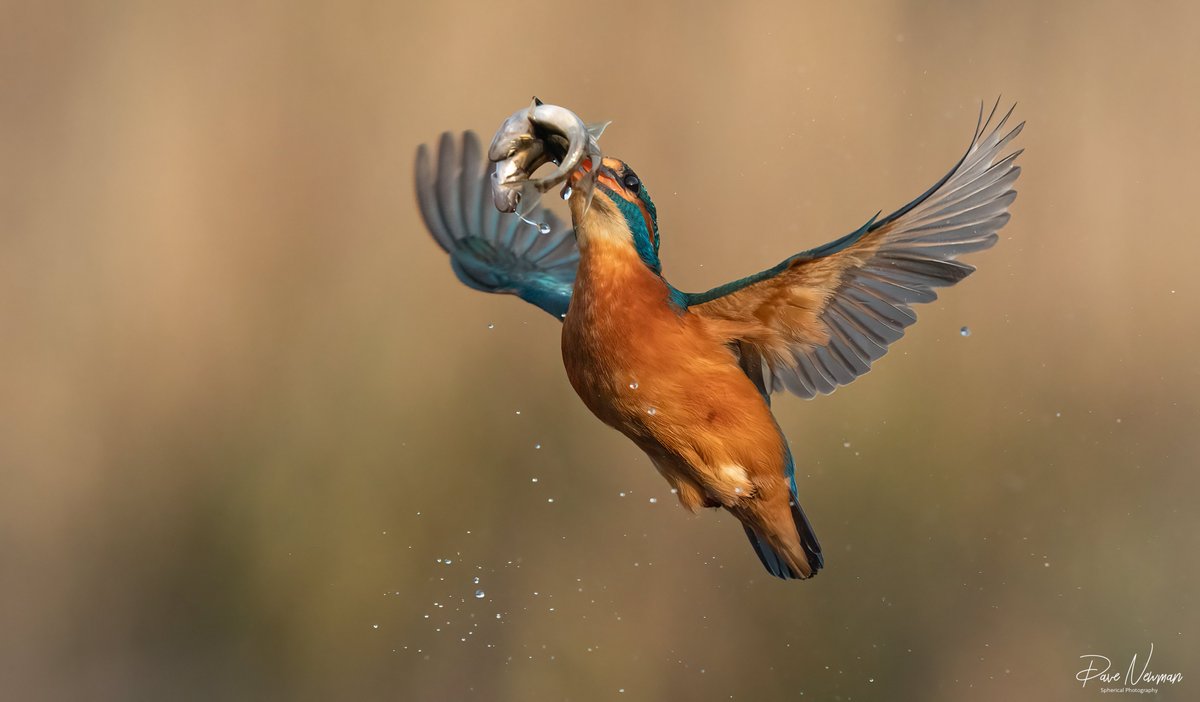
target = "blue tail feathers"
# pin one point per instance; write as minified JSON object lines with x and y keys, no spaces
{"x":774,"y":563}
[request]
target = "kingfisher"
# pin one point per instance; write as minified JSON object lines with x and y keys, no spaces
{"x":688,"y":377}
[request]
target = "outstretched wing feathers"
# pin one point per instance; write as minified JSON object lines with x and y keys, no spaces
{"x":814,"y":322}
{"x":491,"y":251}
{"x":819,"y":319}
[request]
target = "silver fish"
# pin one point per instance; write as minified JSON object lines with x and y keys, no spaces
{"x":531,"y":138}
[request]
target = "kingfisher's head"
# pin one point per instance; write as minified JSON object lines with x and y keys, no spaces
{"x":609,"y":204}
{"x":621,"y":210}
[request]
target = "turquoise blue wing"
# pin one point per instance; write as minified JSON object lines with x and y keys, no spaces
{"x":489,"y":250}
{"x":819,"y":319}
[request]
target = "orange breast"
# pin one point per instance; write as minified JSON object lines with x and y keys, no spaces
{"x":619,"y":310}
{"x":660,"y":375}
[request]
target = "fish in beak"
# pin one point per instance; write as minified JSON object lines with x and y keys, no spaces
{"x":532,"y":137}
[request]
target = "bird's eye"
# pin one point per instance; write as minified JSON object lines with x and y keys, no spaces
{"x":631,"y":181}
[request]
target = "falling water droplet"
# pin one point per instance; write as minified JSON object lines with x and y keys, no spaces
{"x":537,"y":446}
{"x":533,"y":480}
{"x":652,"y":411}
{"x":653,"y":500}
{"x":491,"y":326}
{"x":633,"y":385}
{"x":476,"y":579}
{"x":544,"y":228}
{"x":965,"y":331}
{"x":566,"y":193}
{"x":374,"y":626}
{"x":845,"y":444}
{"x":479,"y":594}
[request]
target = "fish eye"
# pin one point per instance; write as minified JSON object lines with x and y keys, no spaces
{"x":631,"y":181}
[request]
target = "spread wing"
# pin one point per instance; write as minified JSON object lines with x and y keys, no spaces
{"x":489,"y":250}
{"x":821,"y":318}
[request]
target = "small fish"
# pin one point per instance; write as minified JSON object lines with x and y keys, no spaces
{"x":532,"y":137}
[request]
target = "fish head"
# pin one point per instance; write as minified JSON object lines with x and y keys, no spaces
{"x":530,"y":138}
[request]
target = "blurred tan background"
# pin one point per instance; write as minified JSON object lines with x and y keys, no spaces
{"x":245,"y":407}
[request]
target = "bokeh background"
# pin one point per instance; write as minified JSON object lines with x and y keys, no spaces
{"x":256,"y":442}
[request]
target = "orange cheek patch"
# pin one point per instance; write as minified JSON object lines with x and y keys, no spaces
{"x":618,"y":190}
{"x":649,"y":222}
{"x":612,"y":184}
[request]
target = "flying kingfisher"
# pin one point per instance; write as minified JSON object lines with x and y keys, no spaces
{"x":688,"y":377}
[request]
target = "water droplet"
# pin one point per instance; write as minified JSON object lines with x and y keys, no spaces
{"x":621,"y":494}
{"x":566,"y":193}
{"x":653,"y":500}
{"x":537,"y":446}
{"x":497,"y":615}
{"x":491,"y":326}
{"x":479,"y":594}
{"x":845,"y":444}
{"x":550,"y":499}
{"x":518,"y":411}
{"x":544,"y":228}
{"x":533,"y":480}
{"x":652,"y":411}
{"x":965,"y":331}
{"x":374,"y":626}
{"x":476,"y":579}
{"x":633,"y":385}
{"x":447,"y":561}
